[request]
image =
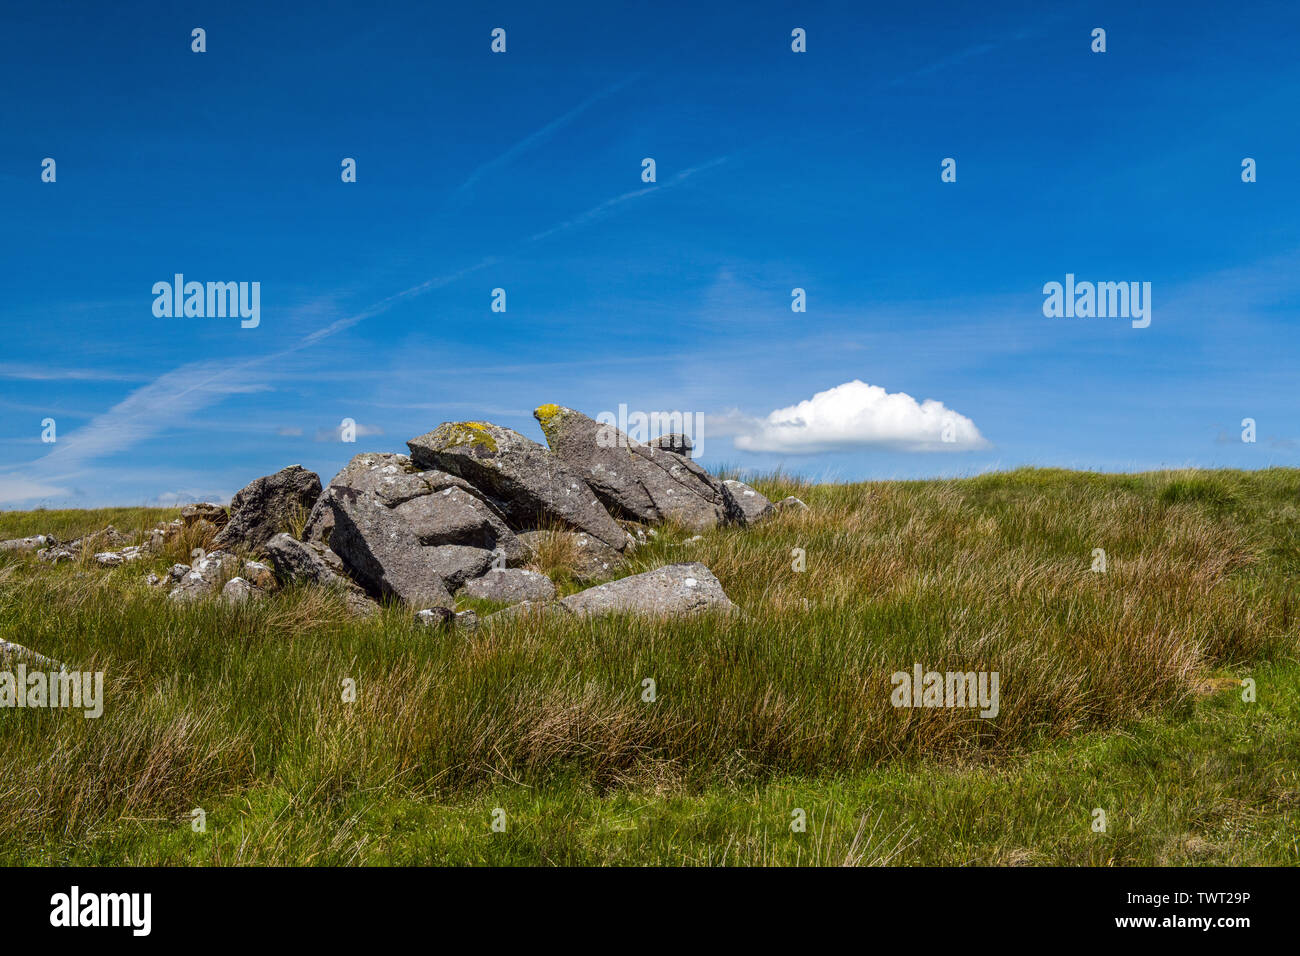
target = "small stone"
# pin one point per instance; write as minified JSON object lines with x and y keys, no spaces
{"x":435,"y":616}
{"x":238,"y":591}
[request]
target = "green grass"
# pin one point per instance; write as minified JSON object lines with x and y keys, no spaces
{"x":67,"y":524}
{"x":238,"y":710}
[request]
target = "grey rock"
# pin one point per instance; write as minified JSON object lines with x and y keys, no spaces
{"x":632,"y":479}
{"x":676,"y":589}
{"x":435,"y":616}
{"x":790,"y":503}
{"x":393,"y":479}
{"x":55,"y":555}
{"x":510,"y":586}
{"x":383,"y":554}
{"x":445,"y":617}
{"x":111,"y":559}
{"x":166,"y":532}
{"x":239,"y":591}
{"x":410,"y":533}
{"x":436,"y":507}
{"x":258,"y":574}
{"x":311,"y":563}
{"x":178,"y":571}
{"x":530,"y":486}
{"x":744,"y":502}
{"x":152,"y":579}
{"x":268,"y":505}
{"x":215,"y":515}
{"x":296,"y":560}
{"x":34,"y":543}
{"x":359,"y":603}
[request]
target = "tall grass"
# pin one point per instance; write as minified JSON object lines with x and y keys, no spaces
{"x":207,"y":702}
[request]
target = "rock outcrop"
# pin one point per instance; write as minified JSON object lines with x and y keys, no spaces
{"x":528,"y":484}
{"x":413,"y":534}
{"x":470,"y":504}
{"x":631,"y":479}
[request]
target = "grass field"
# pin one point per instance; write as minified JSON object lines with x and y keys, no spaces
{"x":1120,"y":691}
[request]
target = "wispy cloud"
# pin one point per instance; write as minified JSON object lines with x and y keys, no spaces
{"x":50,"y":373}
{"x":537,"y":138}
{"x":601,"y":210}
{"x":174,"y":397}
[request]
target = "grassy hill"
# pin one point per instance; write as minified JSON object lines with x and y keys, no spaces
{"x":1120,"y":691}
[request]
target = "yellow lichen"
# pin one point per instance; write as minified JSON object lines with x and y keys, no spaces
{"x":546,"y":415}
{"x":471,"y":433}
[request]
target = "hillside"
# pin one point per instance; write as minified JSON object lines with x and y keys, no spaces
{"x":1119,"y":690}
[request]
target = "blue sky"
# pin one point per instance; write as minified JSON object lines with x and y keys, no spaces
{"x":523,"y":171}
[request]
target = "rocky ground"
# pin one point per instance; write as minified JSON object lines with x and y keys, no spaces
{"x":466,"y":513}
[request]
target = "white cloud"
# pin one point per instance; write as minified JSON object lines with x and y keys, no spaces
{"x":856,"y":414}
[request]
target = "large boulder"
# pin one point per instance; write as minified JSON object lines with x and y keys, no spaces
{"x":393,"y":479}
{"x":381,"y":553}
{"x":510,"y":586}
{"x":268,"y":505}
{"x":673,"y":590}
{"x":415,"y":535}
{"x":745,"y":502}
{"x":633,"y":480}
{"x":527,"y":483}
